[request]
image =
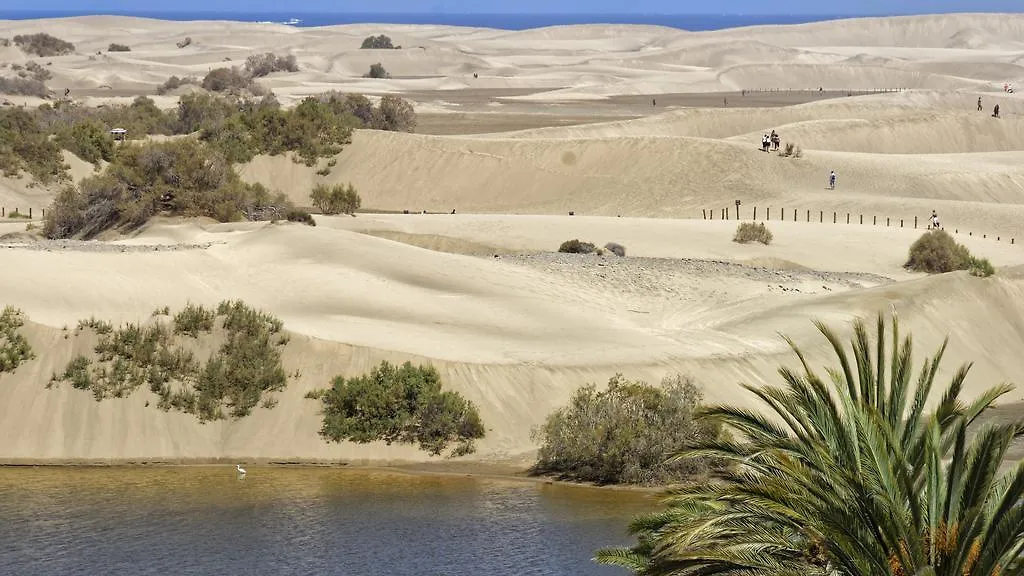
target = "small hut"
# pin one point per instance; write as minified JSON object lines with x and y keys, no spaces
{"x":119,"y":134}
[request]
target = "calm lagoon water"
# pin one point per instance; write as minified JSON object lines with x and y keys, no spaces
{"x":308,"y":521}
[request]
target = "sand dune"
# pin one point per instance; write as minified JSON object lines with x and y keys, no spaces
{"x":480,"y":294}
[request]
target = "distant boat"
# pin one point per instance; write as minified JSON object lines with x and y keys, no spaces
{"x":293,"y":22}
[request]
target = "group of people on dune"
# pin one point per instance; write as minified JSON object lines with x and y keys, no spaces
{"x":771,"y":141}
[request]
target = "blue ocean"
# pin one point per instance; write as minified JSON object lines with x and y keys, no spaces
{"x":692,"y":22}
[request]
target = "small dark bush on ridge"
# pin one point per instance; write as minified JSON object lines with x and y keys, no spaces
{"x":574,"y":246}
{"x":174,"y":82}
{"x":119,"y":48}
{"x":625,"y":433}
{"x":616,"y":248}
{"x":259,"y":65}
{"x":399,"y":404}
{"x":377,"y":71}
{"x":936,"y":252}
{"x":752,"y":232}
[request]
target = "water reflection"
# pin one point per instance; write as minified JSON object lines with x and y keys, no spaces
{"x":205,"y":520}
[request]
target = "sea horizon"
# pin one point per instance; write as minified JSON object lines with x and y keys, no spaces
{"x":509,"y":21}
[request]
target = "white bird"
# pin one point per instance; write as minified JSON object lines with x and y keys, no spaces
{"x":240,"y":469}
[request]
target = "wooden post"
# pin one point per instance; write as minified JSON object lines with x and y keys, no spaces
{"x":915,"y":222}
{"x":782,"y":214}
{"x":768,"y":211}
{"x":808,"y":215}
{"x":2,"y":210}
{"x":704,"y":213}
{"x":861,"y":218}
{"x":30,"y":213}
{"x":886,"y":221}
{"x":755,"y":212}
{"x":874,"y":220}
{"x":847,"y":217}
{"x":901,"y":222}
{"x":821,"y":215}
{"x":794,"y":214}
{"x":833,"y":217}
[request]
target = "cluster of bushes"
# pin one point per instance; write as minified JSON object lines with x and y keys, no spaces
{"x":118,"y":48}
{"x":245,"y":367}
{"x":380,"y":42}
{"x":232,"y":81}
{"x":178,"y":178}
{"x":936,"y":252}
{"x":377,"y":71}
{"x":140,"y":118}
{"x":337,"y":199}
{"x":575,"y":246}
{"x":399,"y":404}
{"x":752,"y":232}
{"x":260,"y":65}
{"x":175,"y":82}
{"x":26,"y":146}
{"x":43,"y":45}
{"x":14,"y":348}
{"x":18,"y":86}
{"x":625,"y":434}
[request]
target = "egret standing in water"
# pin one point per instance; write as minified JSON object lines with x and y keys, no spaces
{"x":241,"y":471}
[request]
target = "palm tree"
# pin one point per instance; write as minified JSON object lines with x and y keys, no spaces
{"x":850,"y":476}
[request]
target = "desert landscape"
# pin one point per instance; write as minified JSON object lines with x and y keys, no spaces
{"x":640,"y":136}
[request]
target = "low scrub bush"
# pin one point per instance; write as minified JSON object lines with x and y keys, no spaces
{"x":377,"y":71}
{"x":233,"y":380}
{"x":574,"y":246}
{"x":752,"y":232}
{"x":981,"y":267}
{"x":140,"y":118}
{"x":380,"y":42}
{"x":186,"y":42}
{"x":625,"y":434}
{"x":17,"y":214}
{"x":88,"y":139}
{"x":259,"y":65}
{"x":616,"y":248}
{"x":38,"y":72}
{"x":337,"y":199}
{"x":399,"y":404}
{"x":118,"y":48}
{"x":14,"y":347}
{"x":936,"y":252}
{"x":178,"y":178}
{"x":5,"y":42}
{"x":175,"y":82}
{"x":391,"y":113}
{"x":24,"y":87}
{"x":301,"y":216}
{"x":43,"y":45}
{"x":232,"y":81}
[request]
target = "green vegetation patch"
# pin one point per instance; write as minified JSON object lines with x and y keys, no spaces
{"x":14,"y":347}
{"x":625,"y":433}
{"x":753,"y":232}
{"x":399,"y":404}
{"x":26,"y":146}
{"x":337,"y":199}
{"x":936,"y":252}
{"x":233,"y":380}
{"x":379,"y":42}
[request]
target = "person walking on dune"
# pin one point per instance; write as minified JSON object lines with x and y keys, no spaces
{"x":935,"y":221}
{"x":832,"y":180}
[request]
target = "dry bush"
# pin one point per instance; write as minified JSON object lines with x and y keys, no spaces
{"x":43,"y":45}
{"x":186,"y":42}
{"x":38,"y":72}
{"x":5,"y":42}
{"x":259,"y":65}
{"x":26,"y":146}
{"x":394,"y":114}
{"x":118,"y":48}
{"x":231,"y":80}
{"x":337,"y":199}
{"x":176,"y":82}
{"x":752,"y":232}
{"x":616,"y":248}
{"x":14,"y":347}
{"x":936,"y":252}
{"x":377,"y":71}
{"x":574,"y":246}
{"x":24,"y":87}
{"x":791,"y":151}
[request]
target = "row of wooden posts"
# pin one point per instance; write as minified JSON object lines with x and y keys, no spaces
{"x":734,"y":214}
{"x":17,"y":212}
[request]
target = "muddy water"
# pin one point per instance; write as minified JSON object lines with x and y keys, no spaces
{"x":308,"y":521}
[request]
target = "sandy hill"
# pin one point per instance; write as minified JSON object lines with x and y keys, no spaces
{"x":480,"y":294}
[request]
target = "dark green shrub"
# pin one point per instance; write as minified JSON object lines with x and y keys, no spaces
{"x":399,"y":404}
{"x":259,"y":65}
{"x":337,"y":199}
{"x":937,"y":252}
{"x":87,"y":139}
{"x":38,"y":72}
{"x":193,"y":320}
{"x":175,"y":82}
{"x":43,"y":45}
{"x":297,"y":215}
{"x":377,"y":71}
{"x":231,"y":80}
{"x":25,"y":146}
{"x":24,"y":87}
{"x":118,"y":48}
{"x":574,"y":246}
{"x":752,"y":232}
{"x":380,"y":42}
{"x":624,"y":434}
{"x":14,"y":347}
{"x":394,"y":114}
